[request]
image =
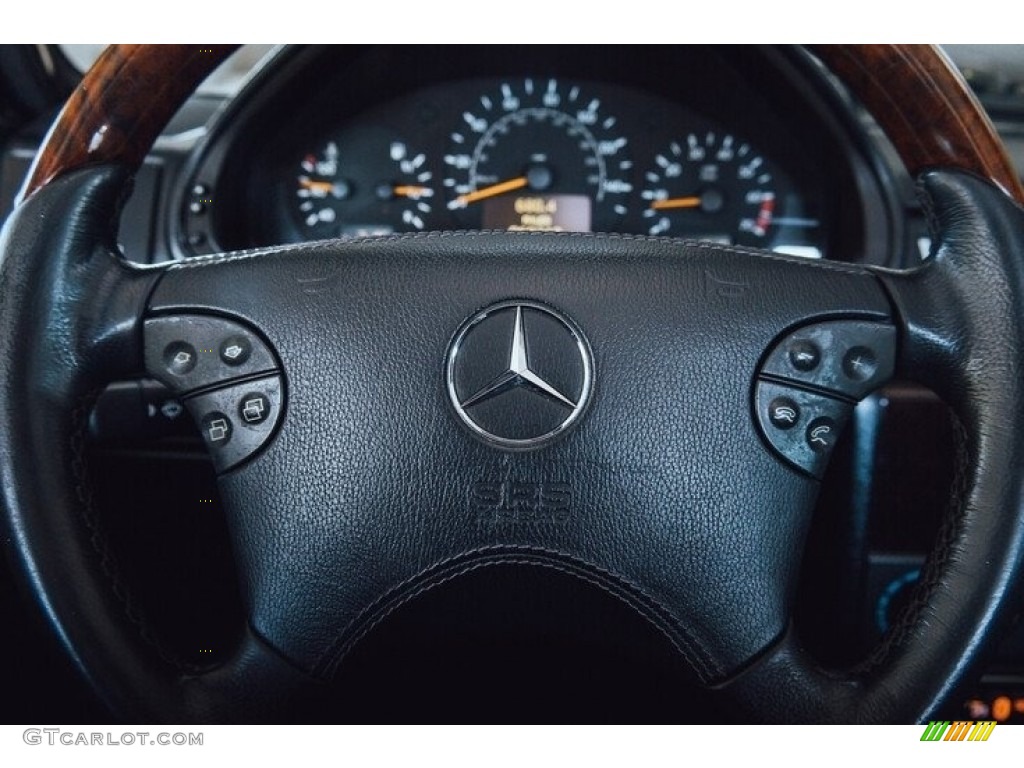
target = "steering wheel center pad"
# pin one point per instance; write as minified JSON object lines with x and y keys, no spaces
{"x":371,"y":488}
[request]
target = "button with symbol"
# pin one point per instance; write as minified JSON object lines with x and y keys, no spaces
{"x":821,"y":434}
{"x":254,"y":408}
{"x":236,"y":420}
{"x":860,"y":364}
{"x":216,"y":428}
{"x":235,"y":350}
{"x":171,"y":409}
{"x":190,"y":352}
{"x":848,"y":358}
{"x":180,"y":358}
{"x":783,"y":412}
{"x":804,"y":355}
{"x":801,"y":425}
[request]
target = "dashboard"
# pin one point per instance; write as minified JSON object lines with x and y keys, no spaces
{"x":688,"y":142}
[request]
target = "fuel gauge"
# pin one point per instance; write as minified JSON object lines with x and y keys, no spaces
{"x":361,"y":187}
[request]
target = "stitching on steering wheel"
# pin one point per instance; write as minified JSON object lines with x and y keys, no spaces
{"x":101,"y":544}
{"x":934,"y":566}
{"x":932,"y":573}
{"x":381,"y":240}
{"x":700,"y":660}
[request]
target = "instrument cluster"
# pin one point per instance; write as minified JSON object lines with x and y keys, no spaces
{"x":545,"y":154}
{"x":391,"y":140}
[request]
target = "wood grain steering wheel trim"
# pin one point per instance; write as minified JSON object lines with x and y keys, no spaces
{"x":925,"y":108}
{"x":121,"y":106}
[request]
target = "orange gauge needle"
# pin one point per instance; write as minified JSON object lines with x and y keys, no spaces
{"x":326,"y":187}
{"x":482,"y":194}
{"x":410,"y":191}
{"x":676,"y":202}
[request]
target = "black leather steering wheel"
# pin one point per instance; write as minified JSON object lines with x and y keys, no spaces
{"x":676,"y":486}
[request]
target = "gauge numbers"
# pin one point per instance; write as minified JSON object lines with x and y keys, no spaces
{"x":321,"y":189}
{"x":363,"y":190}
{"x":714,"y":186}
{"x":537,"y":155}
{"x":410,"y":187}
{"x":551,"y":154}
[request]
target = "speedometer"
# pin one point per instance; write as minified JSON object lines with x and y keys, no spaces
{"x":538,"y":155}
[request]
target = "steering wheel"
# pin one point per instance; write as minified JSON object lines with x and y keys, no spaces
{"x":649,"y":415}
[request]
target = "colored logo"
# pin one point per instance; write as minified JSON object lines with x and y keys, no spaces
{"x":959,"y":730}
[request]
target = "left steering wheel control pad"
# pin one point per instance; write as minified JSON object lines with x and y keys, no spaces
{"x":811,"y":380}
{"x":227,"y":376}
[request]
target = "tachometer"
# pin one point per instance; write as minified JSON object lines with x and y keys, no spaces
{"x":715,"y":186}
{"x":539,"y":155}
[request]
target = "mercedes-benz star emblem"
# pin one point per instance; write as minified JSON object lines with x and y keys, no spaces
{"x":519,"y":374}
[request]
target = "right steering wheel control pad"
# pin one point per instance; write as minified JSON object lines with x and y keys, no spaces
{"x":810,"y":381}
{"x":226,"y":375}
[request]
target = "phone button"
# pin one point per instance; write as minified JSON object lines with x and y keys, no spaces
{"x":822,"y":434}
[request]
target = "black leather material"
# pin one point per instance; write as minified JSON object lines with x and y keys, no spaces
{"x":363,"y":496}
{"x":70,"y":320}
{"x":963,"y":336}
